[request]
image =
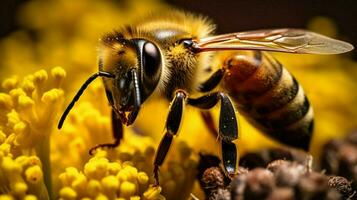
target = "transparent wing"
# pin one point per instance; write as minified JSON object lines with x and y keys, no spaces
{"x":281,"y":40}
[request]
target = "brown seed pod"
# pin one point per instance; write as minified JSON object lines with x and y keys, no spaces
{"x":280,"y":180}
{"x":213,"y":177}
{"x":312,"y":186}
{"x":342,"y":185}
{"x":284,"y":193}
{"x":287,"y":173}
{"x":264,"y":157}
{"x":260,"y":184}
{"x":340,"y":158}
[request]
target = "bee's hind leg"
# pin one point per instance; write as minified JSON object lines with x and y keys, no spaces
{"x":172,"y":125}
{"x":118,"y":133}
{"x":207,"y":86}
{"x":228,"y":127}
{"x":209,"y":122}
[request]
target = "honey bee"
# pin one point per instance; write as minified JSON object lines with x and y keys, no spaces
{"x":168,"y":54}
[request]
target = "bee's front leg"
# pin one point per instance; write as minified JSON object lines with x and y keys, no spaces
{"x":228,"y":127}
{"x":172,"y":125}
{"x":117,"y":126}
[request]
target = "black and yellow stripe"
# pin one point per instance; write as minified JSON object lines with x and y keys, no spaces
{"x":270,"y":97}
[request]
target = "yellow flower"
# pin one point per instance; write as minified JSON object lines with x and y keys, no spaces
{"x":28,"y":117}
{"x":28,"y":110}
{"x":103,"y":178}
{"x":124,"y":172}
{"x":20,"y":177}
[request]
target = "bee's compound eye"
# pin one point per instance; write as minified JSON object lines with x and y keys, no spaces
{"x":152,"y":58}
{"x":187,"y":43}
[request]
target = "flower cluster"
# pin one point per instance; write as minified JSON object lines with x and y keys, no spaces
{"x":29,"y":108}
{"x":27,"y":115}
{"x":280,"y":179}
{"x":126,"y":173}
{"x":340,"y":157}
{"x":102,"y":178}
{"x":20,"y":177}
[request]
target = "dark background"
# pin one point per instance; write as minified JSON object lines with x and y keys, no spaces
{"x":238,"y":15}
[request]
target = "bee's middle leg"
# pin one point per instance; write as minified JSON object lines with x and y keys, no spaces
{"x":212,"y":81}
{"x":228,"y":127}
{"x":172,"y":125}
{"x":117,"y":127}
{"x":207,"y":86}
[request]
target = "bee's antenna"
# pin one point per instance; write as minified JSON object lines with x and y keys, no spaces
{"x":80,"y":92}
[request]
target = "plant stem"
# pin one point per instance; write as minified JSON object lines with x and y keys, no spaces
{"x":43,"y":152}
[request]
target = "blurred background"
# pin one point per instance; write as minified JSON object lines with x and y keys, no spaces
{"x":231,"y":15}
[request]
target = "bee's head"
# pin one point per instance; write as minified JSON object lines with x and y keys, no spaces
{"x":136,"y":65}
{"x":131,"y":70}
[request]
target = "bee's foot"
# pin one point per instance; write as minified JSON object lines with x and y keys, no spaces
{"x":109,"y":146}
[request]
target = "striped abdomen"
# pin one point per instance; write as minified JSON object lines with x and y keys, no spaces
{"x":270,"y":97}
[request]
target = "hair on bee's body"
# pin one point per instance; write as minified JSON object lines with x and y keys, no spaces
{"x":180,"y":67}
{"x":268,"y":96}
{"x":170,"y":54}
